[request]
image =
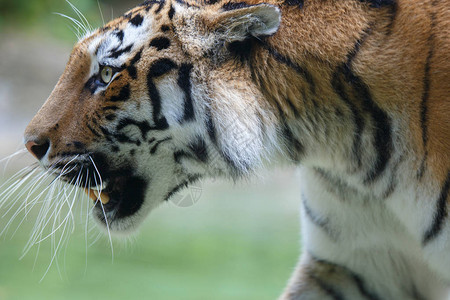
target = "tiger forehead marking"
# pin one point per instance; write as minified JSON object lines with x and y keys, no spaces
{"x":354,"y":91}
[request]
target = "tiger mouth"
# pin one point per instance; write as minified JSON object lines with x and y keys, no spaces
{"x":121,"y":197}
{"x":117,"y":192}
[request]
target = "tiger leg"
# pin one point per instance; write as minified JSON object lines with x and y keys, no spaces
{"x":317,"y":279}
{"x":355,"y":247}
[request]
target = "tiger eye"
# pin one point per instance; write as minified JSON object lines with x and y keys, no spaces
{"x":106,"y":74}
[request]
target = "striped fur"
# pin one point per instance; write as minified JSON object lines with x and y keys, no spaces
{"x":356,"y":92}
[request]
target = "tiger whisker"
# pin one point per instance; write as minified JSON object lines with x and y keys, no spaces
{"x":82,"y":17}
{"x":64,"y":221}
{"x":76,"y":22}
{"x":37,"y":198}
{"x":9,"y":157}
{"x":25,"y":188}
{"x":101,"y":13}
{"x":101,"y":205}
{"x":42,"y":220}
{"x":43,"y":217}
{"x":18,"y":178}
{"x":55,"y":251}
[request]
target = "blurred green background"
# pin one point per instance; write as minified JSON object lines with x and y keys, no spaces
{"x":239,"y":241}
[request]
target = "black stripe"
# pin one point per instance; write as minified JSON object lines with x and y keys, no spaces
{"x":78,"y":145}
{"x":295,"y":148}
{"x":143,"y":126}
{"x":177,"y":155}
{"x":184,"y":81}
{"x":103,"y":29}
{"x":171,"y":12}
{"x":119,"y":34}
{"x":106,"y":134}
{"x":123,"y":95}
{"x":210,"y":127}
{"x":425,"y":97}
{"x":137,"y":20}
{"x":110,"y":107}
{"x":115,"y":53}
{"x":198,"y":147}
{"x":234,"y":5}
{"x":160,"y":43}
{"x":132,"y":71}
{"x":359,"y":281}
{"x":379,"y":3}
{"x":132,"y":68}
{"x":149,"y":4}
{"x":124,"y":139}
{"x":183,"y":184}
{"x":236,"y":169}
{"x":393,"y":181}
{"x":95,"y":132}
{"x":441,"y":213}
{"x":298,"y":3}
{"x":363,"y":289}
{"x":424,"y":111}
{"x":293,"y":108}
{"x":297,"y":68}
{"x":339,"y":86}
{"x":160,"y":122}
{"x":393,"y":16}
{"x":160,"y":7}
{"x":110,"y":117}
{"x":156,"y":145}
{"x":323,"y":223}
{"x":161,"y":67}
{"x":382,"y":128}
{"x":136,"y":58}
{"x":72,"y":154}
{"x":328,"y":289}
{"x":354,"y":85}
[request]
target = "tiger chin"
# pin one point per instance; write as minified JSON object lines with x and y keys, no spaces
{"x":354,"y":92}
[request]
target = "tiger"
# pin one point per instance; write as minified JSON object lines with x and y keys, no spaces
{"x":353,"y":93}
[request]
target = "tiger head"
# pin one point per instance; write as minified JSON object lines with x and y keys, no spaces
{"x":153,"y":101}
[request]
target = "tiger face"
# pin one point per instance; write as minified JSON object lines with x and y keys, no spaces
{"x":355,"y":90}
{"x":130,"y":119}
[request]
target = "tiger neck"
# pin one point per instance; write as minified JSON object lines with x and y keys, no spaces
{"x":309,"y":77}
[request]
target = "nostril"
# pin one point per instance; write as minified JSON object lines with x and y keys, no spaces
{"x":38,"y":149}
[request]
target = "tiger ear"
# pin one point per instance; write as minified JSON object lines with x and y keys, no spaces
{"x":201,"y":30}
{"x":238,"y":21}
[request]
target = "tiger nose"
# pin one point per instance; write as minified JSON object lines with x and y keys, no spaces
{"x":38,"y":148}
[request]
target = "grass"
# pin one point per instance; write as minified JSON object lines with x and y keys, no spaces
{"x":237,"y":242}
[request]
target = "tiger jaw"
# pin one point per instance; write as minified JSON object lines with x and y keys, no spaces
{"x":121,"y":197}
{"x":118,"y":192}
